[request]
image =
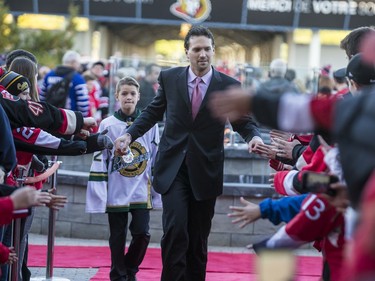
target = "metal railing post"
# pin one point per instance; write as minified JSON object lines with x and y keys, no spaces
{"x":16,"y":227}
{"x":51,"y":235}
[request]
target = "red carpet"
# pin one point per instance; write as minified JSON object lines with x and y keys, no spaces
{"x":221,"y":266}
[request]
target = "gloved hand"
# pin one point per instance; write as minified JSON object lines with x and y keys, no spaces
{"x":98,"y":142}
{"x":39,"y":163}
{"x":104,"y":141}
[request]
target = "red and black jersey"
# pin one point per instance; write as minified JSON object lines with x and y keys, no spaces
{"x":39,"y":114}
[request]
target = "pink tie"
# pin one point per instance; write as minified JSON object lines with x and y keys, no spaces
{"x":196,"y":98}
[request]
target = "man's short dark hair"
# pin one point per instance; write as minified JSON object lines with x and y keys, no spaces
{"x":19,"y":53}
{"x":351,"y":43}
{"x":198,"y":30}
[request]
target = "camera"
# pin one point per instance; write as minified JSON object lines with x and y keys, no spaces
{"x":318,"y":183}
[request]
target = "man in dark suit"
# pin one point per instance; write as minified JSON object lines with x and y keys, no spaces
{"x":188,"y":169}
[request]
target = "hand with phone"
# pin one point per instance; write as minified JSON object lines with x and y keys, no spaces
{"x":318,"y":182}
{"x":328,"y":186}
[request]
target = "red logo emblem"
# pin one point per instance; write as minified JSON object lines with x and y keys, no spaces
{"x":193,"y":11}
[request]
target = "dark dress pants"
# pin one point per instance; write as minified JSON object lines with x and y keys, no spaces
{"x":124,"y":264}
{"x":186,"y":226}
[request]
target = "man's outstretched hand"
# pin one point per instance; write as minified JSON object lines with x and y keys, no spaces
{"x":122,"y":143}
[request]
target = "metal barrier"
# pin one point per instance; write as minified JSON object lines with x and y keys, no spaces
{"x":51,"y":234}
{"x":16,"y":226}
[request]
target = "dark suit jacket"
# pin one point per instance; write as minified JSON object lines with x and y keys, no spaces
{"x":200,"y":141}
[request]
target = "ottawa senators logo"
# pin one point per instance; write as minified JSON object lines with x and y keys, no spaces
{"x":193,"y":11}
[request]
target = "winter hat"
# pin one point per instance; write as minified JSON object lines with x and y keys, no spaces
{"x":14,"y":83}
{"x":359,"y":71}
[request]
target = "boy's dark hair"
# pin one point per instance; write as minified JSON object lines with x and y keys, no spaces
{"x":351,"y":43}
{"x":198,"y":30}
{"x":127,"y":80}
{"x":19,"y":53}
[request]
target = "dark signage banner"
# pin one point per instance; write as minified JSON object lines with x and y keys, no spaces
{"x":158,"y":9}
{"x":226,"y":11}
{"x":273,"y":12}
{"x":193,"y":11}
{"x":321,"y":21}
{"x":59,"y":7}
{"x":363,"y":14}
{"x":264,"y":14}
{"x":20,"y":5}
{"x":311,"y":13}
{"x":113,"y":8}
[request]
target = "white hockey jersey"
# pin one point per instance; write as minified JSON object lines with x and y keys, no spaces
{"x":115,"y":186}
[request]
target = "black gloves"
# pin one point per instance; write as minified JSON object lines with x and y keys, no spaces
{"x":98,"y":142}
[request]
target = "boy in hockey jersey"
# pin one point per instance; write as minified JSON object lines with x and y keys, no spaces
{"x":120,"y":187}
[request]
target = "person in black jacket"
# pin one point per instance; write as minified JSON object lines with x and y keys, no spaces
{"x":147,"y":85}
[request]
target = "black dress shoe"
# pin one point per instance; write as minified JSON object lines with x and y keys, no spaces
{"x":131,"y":277}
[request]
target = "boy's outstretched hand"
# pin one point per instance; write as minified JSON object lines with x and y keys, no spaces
{"x":245,"y":215}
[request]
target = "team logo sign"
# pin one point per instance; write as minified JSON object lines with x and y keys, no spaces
{"x":193,"y":11}
{"x":137,"y":166}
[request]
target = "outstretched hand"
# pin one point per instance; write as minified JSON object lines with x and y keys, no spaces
{"x":57,"y":201}
{"x":245,"y":215}
{"x":122,"y":143}
{"x":284,"y":148}
{"x":281,"y":135}
{"x":254,"y":143}
{"x":89,"y":123}
{"x":27,"y":196}
{"x":266,"y":150}
{"x":231,"y":104}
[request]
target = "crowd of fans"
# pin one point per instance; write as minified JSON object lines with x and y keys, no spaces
{"x":326,"y":175}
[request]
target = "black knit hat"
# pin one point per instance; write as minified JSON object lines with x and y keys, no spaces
{"x":359,"y":71}
{"x":340,"y":73}
{"x":14,"y":83}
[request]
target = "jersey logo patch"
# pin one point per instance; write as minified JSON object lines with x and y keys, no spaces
{"x":36,"y":108}
{"x":137,"y":166}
